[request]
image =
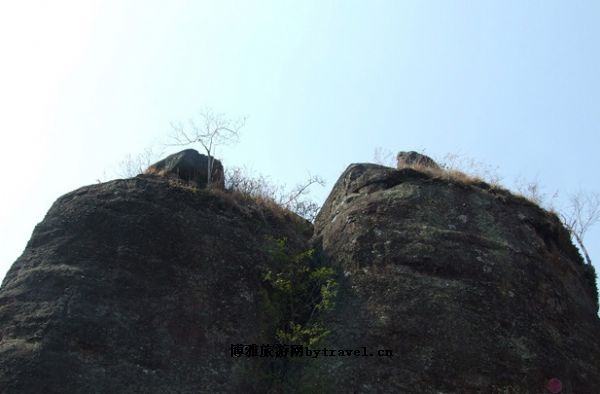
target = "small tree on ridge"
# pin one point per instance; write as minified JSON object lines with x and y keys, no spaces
{"x":211,"y":130}
{"x":583,"y":213}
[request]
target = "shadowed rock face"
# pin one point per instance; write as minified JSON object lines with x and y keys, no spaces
{"x":475,"y":290}
{"x":189,"y":165}
{"x":141,"y":286}
{"x":137,"y":286}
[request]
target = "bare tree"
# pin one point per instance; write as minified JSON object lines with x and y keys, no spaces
{"x":296,"y":200}
{"x":211,"y":130}
{"x":582,"y":213}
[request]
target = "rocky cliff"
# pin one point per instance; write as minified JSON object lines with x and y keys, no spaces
{"x":142,"y":285}
{"x":137,"y":286}
{"x":476,"y":290}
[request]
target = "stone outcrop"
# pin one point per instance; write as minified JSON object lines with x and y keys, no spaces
{"x":142,"y":285}
{"x":475,"y":290}
{"x":137,"y":286}
{"x":189,"y":165}
{"x":411,"y":158}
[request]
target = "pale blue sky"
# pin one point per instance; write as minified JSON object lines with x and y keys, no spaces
{"x":514,"y":84}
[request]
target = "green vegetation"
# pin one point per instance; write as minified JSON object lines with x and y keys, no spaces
{"x":299,"y":292}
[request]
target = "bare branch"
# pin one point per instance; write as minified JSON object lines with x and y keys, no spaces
{"x":211,"y":130}
{"x":582,"y":213}
{"x":301,"y":189}
{"x":260,"y":187}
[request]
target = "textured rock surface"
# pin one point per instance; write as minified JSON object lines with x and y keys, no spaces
{"x":405,"y":159}
{"x":475,"y":290}
{"x":136,"y":286}
{"x":189,"y":165}
{"x":141,"y":285}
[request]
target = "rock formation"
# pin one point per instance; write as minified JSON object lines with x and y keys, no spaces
{"x":475,"y":290}
{"x":407,"y":159}
{"x":142,"y":285}
{"x":189,"y":165}
{"x":137,"y":286}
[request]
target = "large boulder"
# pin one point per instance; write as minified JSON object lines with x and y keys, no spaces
{"x":139,"y":286}
{"x":189,"y":165}
{"x":473,"y":289}
{"x":412,"y":158}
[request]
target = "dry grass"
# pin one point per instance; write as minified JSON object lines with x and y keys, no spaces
{"x":531,"y":194}
{"x":155,"y":171}
{"x":243,"y":201}
{"x":450,"y":175}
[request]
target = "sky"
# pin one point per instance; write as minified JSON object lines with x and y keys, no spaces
{"x":83,"y":84}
